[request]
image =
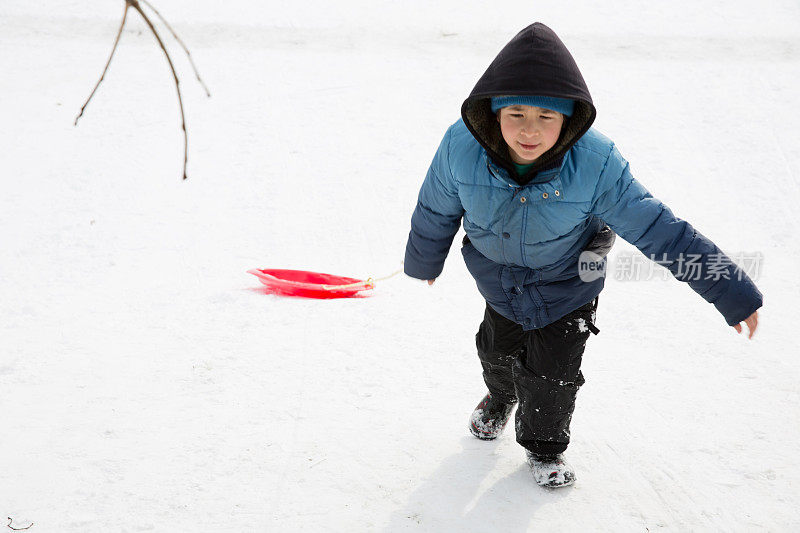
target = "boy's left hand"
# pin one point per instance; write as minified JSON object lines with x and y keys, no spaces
{"x":752,"y":324}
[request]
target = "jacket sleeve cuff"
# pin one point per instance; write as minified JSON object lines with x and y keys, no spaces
{"x":740,"y":301}
{"x":418,"y":269}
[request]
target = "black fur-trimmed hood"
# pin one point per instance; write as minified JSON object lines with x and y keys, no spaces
{"x":534,"y":63}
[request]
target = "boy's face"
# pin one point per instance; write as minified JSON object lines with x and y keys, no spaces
{"x":529,"y":131}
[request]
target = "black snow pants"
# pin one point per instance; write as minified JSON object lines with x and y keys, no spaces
{"x":539,"y":368}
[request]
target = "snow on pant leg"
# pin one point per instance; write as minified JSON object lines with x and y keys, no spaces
{"x":500,"y":341}
{"x":547,"y":377}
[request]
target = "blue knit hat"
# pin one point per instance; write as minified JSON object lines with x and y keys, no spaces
{"x":564,"y":106}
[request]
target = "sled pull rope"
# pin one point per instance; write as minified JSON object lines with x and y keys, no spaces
{"x":368,"y":284}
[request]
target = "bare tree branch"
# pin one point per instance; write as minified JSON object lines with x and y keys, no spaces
{"x":135,"y":5}
{"x":188,"y":54}
{"x":116,"y":42}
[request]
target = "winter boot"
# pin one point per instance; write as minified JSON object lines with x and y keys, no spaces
{"x":489,"y":418}
{"x":550,"y":470}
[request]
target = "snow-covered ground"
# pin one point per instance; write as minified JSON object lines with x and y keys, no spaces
{"x":147,"y":383}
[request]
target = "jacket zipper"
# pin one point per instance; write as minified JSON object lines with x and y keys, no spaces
{"x":522,"y":235}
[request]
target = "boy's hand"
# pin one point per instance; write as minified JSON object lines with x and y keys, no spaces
{"x":751,"y":321}
{"x":430,"y":281}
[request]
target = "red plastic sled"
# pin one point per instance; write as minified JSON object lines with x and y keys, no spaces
{"x":310,"y":284}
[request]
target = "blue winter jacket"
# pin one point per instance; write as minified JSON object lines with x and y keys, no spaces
{"x":524,"y":241}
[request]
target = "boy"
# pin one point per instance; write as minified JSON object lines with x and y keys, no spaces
{"x":536,"y":187}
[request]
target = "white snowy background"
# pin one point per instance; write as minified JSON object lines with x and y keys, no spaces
{"x":147,"y":383}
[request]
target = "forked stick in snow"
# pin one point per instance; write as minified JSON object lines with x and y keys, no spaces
{"x":135,"y":5}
